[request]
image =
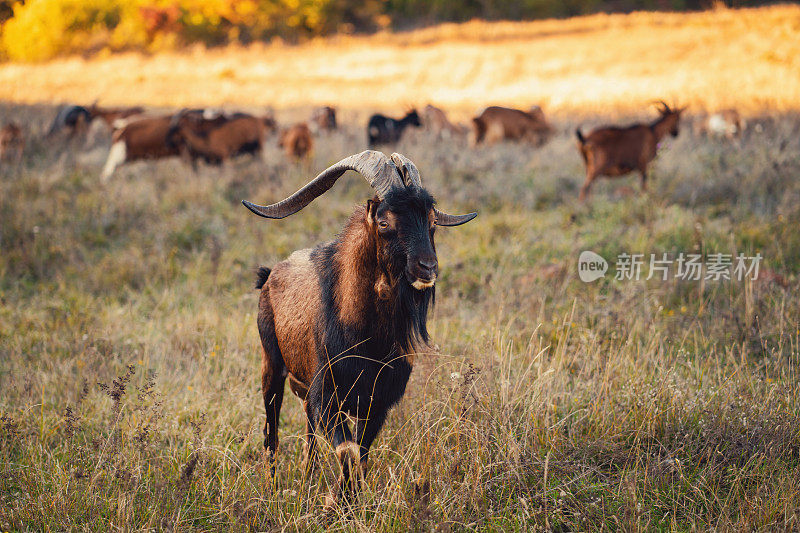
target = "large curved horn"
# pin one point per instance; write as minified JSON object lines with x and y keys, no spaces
{"x":376,"y":167}
{"x":443,"y":219}
{"x":410,"y":174}
{"x":666,"y":107}
{"x":408,"y":170}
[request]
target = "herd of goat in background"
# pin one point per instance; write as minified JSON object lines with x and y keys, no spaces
{"x":214,"y":136}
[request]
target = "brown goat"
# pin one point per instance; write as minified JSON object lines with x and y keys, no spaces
{"x":145,"y":138}
{"x":498,"y":123}
{"x":615,"y":151}
{"x":11,"y":139}
{"x":217,"y":139}
{"x":436,"y":120}
{"x":296,"y":141}
{"x":344,"y":321}
{"x":324,"y":118}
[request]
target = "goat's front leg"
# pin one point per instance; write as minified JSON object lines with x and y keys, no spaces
{"x":333,"y":422}
{"x":366,"y":431}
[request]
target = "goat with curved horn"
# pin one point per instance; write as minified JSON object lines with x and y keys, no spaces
{"x":344,"y":321}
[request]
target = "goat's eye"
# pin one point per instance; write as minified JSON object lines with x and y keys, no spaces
{"x":383,"y":224}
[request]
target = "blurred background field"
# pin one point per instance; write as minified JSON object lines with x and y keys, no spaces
{"x":129,"y":355}
{"x":35,"y":30}
{"x":746,"y":58}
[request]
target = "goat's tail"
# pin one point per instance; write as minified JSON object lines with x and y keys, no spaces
{"x":582,"y":145}
{"x":478,"y":131}
{"x":262,"y":274}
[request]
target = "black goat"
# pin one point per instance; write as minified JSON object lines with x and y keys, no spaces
{"x":73,"y":118}
{"x":343,"y":321}
{"x":385,"y":130}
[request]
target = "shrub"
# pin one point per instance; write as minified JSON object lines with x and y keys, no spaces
{"x":41,"y":29}
{"x":44,"y":28}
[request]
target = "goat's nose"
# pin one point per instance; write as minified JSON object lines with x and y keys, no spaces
{"x":428,"y":265}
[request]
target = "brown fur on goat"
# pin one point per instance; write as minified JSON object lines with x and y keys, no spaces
{"x":297,"y":141}
{"x":12,"y":139}
{"x":217,"y":139}
{"x":145,"y":138}
{"x":498,"y":123}
{"x":615,"y":151}
{"x":111,"y":114}
{"x":436,"y":120}
{"x":324,"y":118}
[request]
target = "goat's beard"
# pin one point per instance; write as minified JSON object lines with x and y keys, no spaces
{"x":411,"y":316}
{"x":422,"y":285}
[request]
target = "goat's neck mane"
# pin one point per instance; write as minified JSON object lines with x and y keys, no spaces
{"x":371,"y":295}
{"x":660,"y":126}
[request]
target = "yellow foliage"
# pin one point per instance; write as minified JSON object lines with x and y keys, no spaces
{"x":42,"y":29}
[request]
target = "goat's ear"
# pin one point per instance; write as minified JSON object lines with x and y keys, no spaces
{"x":372,"y":208}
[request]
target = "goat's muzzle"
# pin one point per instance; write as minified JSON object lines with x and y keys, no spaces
{"x":422,"y":272}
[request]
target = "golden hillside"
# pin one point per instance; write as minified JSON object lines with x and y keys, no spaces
{"x":748,"y":58}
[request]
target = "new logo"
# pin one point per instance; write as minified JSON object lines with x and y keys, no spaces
{"x":591,"y":266}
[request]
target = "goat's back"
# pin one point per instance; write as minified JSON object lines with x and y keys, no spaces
{"x":436,"y":119}
{"x":240,"y":132}
{"x":506,"y":123}
{"x":111,"y":115}
{"x":617,"y":150}
{"x":145,"y":138}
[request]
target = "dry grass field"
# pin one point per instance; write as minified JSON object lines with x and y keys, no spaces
{"x":129,"y":355}
{"x":744,"y":58}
